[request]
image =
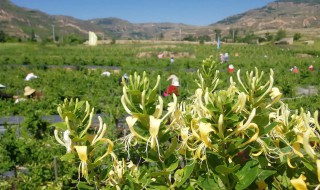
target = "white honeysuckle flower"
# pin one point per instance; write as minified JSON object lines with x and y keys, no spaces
{"x":306,"y":145}
{"x":242,"y":126}
{"x":275,"y":94}
{"x":67,"y":142}
{"x":159,"y":108}
{"x":240,"y":104}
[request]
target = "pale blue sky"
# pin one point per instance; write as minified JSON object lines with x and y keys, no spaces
{"x":194,"y":12}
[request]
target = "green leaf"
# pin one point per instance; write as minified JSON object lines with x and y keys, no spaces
{"x":173,"y":165}
{"x":264,"y":174}
{"x":135,"y":96}
{"x":158,"y":187}
{"x":67,"y":157}
{"x":263,"y":131}
{"x":84,"y":186}
{"x":60,"y":125}
{"x":247,"y":174}
{"x":186,"y":172}
{"x":156,"y":174}
{"x":171,"y":149}
{"x":222,"y":169}
{"x":208,"y":183}
{"x":234,"y":117}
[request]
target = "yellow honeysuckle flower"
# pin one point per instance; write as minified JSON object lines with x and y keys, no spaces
{"x":299,"y":183}
{"x":254,"y":137}
{"x":289,"y":162}
{"x":131,"y":121}
{"x":154,"y":130}
{"x":82,"y":153}
{"x":205,"y":129}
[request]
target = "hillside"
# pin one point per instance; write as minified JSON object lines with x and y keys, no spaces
{"x":293,"y":15}
{"x":303,"y":15}
{"x":18,"y":21}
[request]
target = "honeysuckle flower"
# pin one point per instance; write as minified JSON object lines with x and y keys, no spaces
{"x":242,"y":126}
{"x":306,"y":145}
{"x":100,"y":133}
{"x":159,"y":108}
{"x":205,"y":129}
{"x":299,"y":184}
{"x":239,"y":106}
{"x":82,"y":153}
{"x":67,"y":142}
{"x":154,"y":130}
{"x":275,"y":94}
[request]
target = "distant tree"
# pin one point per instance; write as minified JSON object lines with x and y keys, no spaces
{"x":73,"y":39}
{"x":233,"y":33}
{"x":297,"y":36}
{"x":161,"y":36}
{"x":204,"y":38}
{"x":33,"y":36}
{"x":113,"y":41}
{"x":268,"y":36}
{"x":218,"y":33}
{"x":280,"y":34}
{"x":2,"y":36}
{"x":190,"y":38}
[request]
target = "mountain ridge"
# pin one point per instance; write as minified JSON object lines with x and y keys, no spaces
{"x":280,"y":14}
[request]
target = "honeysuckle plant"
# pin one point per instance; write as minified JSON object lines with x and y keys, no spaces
{"x":85,"y":144}
{"x":239,"y":137}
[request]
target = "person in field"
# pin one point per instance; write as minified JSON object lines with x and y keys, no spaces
{"x":221,"y":58}
{"x":295,"y":70}
{"x":226,"y":57}
{"x":30,"y":76}
{"x":173,"y":88}
{"x":171,"y":60}
{"x":125,"y":77}
{"x":32,"y":93}
{"x":4,"y":95}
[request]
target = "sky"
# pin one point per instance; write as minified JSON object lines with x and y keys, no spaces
{"x":193,"y":12}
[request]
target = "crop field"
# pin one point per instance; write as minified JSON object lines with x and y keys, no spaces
{"x":74,"y":72}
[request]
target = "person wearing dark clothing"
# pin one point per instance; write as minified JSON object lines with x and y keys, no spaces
{"x":4,"y":95}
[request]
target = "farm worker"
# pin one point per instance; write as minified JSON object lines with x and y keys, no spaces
{"x":311,"y":68}
{"x":295,"y":70}
{"x":230,"y":69}
{"x":125,"y":77}
{"x":4,"y":95}
{"x":30,"y":76}
{"x":160,"y":55}
{"x":106,"y":73}
{"x":173,"y":87}
{"x":32,"y":93}
{"x":226,"y":57}
{"x":171,"y":60}
{"x":221,"y":57}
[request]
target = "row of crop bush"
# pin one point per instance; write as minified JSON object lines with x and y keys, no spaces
{"x":104,"y":94}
